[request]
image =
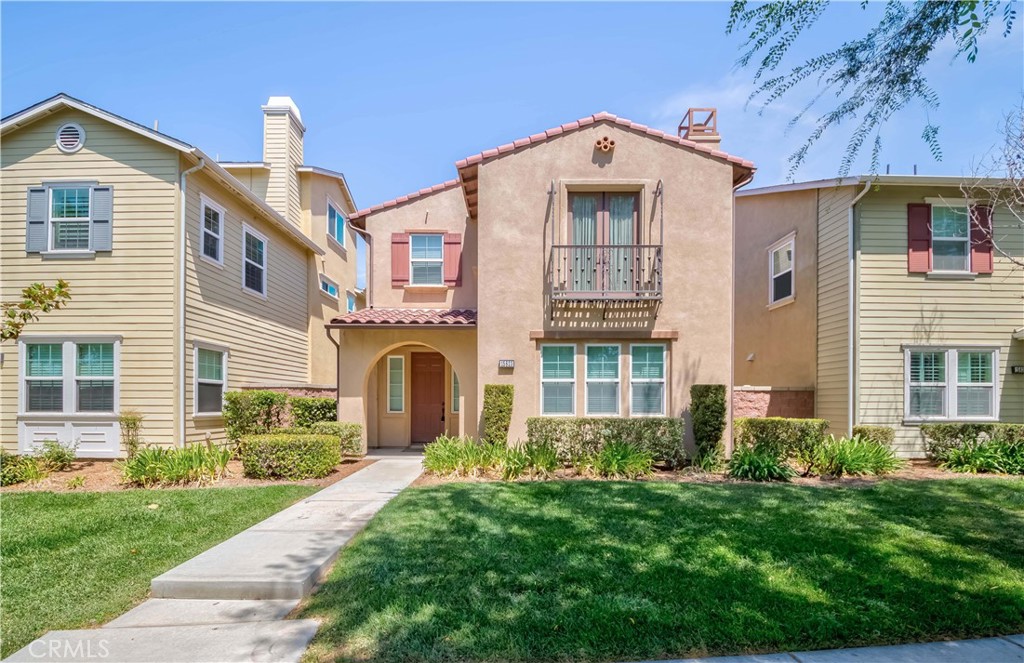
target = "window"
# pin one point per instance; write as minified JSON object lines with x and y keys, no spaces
{"x":427,"y":259}
{"x":350,"y":302}
{"x":953,"y":384}
{"x":455,"y":393}
{"x":647,"y":380}
{"x":396,"y":384}
{"x":254,"y":262}
{"x":70,"y":376}
{"x":558,"y":379}
{"x":610,"y":221}
{"x":780,"y":259}
{"x":336,"y":223}
{"x":602,"y":380}
{"x":212,"y":229}
{"x":328,"y":287}
{"x":951,"y":244}
{"x":210,"y":380}
{"x":69,"y":218}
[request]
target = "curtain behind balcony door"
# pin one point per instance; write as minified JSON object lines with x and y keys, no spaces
{"x":583,"y":261}
{"x":621,"y":233}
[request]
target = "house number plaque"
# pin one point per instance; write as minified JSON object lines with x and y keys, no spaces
{"x":506,"y":363}
{"x":1017,"y":370}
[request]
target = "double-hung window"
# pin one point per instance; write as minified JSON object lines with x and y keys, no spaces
{"x":951,"y":384}
{"x":211,"y":377}
{"x":558,"y":379}
{"x":780,"y":266}
{"x":951,"y":239}
{"x":396,"y":384}
{"x":336,"y":224}
{"x":426,"y":259}
{"x":602,"y":379}
{"x":254,"y":261}
{"x":328,"y":287}
{"x":70,"y":376}
{"x":212,"y":229}
{"x":70,"y":218}
{"x":647,"y":380}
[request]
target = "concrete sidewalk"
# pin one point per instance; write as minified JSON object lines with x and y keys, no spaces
{"x":1008,"y":649}
{"x":229,"y":603}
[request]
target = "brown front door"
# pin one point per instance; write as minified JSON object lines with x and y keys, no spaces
{"x":427,"y":396}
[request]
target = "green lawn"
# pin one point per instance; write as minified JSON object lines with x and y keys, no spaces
{"x":590,"y":571}
{"x":74,"y":560}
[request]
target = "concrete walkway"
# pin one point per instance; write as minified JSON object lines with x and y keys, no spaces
{"x":229,"y":603}
{"x":1009,"y":649}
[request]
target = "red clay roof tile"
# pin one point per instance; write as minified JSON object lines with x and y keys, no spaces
{"x":401,"y":317}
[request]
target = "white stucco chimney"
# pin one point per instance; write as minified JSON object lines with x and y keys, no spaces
{"x":282,"y":149}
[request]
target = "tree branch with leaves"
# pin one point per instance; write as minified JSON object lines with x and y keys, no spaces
{"x":36,"y":299}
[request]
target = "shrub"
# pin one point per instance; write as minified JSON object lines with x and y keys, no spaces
{"x":497,"y":412}
{"x":853,"y":456}
{"x":986,"y":455}
{"x":442,"y":455}
{"x":308,"y":410}
{"x":515,"y":461}
{"x":622,"y":459}
{"x":462,"y":456}
{"x":882,"y":434}
{"x":164,"y":466}
{"x":74,"y":483}
{"x":543,"y":458}
{"x":708,"y":411}
{"x":785,"y":438}
{"x":56,"y":457}
{"x":579,"y":438}
{"x":131,"y":429}
{"x":19,"y":469}
{"x":289,"y":456}
{"x":253,"y":412}
{"x":349,"y":434}
{"x":759,"y":464}
{"x":942,"y":440}
{"x":1011,"y":433}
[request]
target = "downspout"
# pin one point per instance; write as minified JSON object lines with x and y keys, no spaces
{"x":851,"y":327}
{"x":181,"y":300}
{"x":337,"y":372}
{"x":732,"y":308}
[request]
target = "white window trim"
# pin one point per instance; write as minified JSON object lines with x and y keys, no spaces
{"x":69,"y":382}
{"x":414,"y":260}
{"x":388,"y":390}
{"x":337,"y":295}
{"x":587,"y":380}
{"x":951,"y":204}
{"x":343,"y":242}
{"x":663,"y":381}
{"x":50,"y":188}
{"x":249,"y":230}
{"x":951,"y":384}
{"x":205,"y":202}
{"x":571,"y":380}
{"x":454,"y":405}
{"x":789,"y":240}
{"x":198,"y":344}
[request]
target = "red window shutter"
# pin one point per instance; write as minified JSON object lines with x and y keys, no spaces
{"x":981,"y":239}
{"x":919,"y":238}
{"x":452,"y":259}
{"x":399,"y":259}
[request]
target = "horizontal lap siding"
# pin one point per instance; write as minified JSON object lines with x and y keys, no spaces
{"x":832,"y":387}
{"x":129,"y":291}
{"x":267,"y":338}
{"x":897,"y":308}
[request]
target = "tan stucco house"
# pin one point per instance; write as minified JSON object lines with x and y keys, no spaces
{"x":589,"y":265}
{"x":878,"y":300}
{"x":189,"y":277}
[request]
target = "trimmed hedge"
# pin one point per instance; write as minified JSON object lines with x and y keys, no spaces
{"x":786,"y":438}
{"x":309,"y":410}
{"x":581,"y":437}
{"x":348,"y":434}
{"x":497,"y":412}
{"x":253,"y":412}
{"x":882,"y":434}
{"x":289,"y":456}
{"x":940,"y":440}
{"x":708,"y":410}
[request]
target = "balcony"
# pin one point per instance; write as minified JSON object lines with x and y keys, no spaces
{"x":614,"y":272}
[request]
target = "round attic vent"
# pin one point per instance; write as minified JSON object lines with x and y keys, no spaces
{"x":70,"y":138}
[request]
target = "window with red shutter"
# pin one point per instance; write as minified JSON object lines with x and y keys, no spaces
{"x":919,"y":238}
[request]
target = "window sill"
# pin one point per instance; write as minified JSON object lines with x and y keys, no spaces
{"x":67,"y":255}
{"x":422,"y":287}
{"x":781,"y":303}
{"x":254,"y":293}
{"x":951,"y":276}
{"x":338,"y":246}
{"x":973,"y":420}
{"x":333,"y":298}
{"x":207,"y":259}
{"x":207,"y":416}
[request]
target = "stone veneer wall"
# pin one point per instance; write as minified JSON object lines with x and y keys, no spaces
{"x":750,"y":401}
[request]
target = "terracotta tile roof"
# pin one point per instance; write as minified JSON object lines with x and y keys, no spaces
{"x":404,"y":199}
{"x":591,"y":119}
{"x":401,"y":317}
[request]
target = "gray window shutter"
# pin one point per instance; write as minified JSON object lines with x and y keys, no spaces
{"x":102,"y":221}
{"x":35,"y":226}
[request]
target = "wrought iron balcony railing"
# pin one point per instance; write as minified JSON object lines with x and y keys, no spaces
{"x":604,"y":272}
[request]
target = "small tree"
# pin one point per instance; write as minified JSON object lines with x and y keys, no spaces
{"x":36,"y":298}
{"x":708,"y":411}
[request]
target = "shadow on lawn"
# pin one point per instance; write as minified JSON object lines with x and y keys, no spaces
{"x":602,"y":571}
